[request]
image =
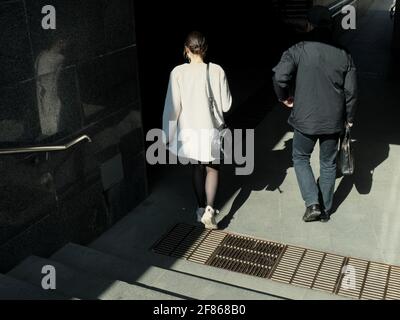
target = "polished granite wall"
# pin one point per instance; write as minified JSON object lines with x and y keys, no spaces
{"x":55,"y":86}
{"x":396,"y":34}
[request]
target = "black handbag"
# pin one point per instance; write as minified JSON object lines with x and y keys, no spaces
{"x":217,"y":145}
{"x":346,"y":163}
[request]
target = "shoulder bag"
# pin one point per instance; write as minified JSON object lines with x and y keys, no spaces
{"x":346,"y":163}
{"x":217,"y":145}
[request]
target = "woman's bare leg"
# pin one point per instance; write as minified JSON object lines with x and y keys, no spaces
{"x":211,"y":184}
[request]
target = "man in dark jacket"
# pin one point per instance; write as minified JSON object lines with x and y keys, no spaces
{"x":324,"y":101}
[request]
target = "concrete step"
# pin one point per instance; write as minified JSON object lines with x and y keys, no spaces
{"x":77,"y":283}
{"x":269,"y":288}
{"x":141,"y":273}
{"x":14,"y":289}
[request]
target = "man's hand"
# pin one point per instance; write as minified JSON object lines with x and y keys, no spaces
{"x":350,"y":124}
{"x":289,"y":102}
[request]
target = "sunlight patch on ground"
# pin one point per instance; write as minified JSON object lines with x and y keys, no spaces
{"x":281,"y":144}
{"x":390,"y":214}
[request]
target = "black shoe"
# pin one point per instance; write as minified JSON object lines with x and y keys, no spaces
{"x":325,"y":217}
{"x":313,"y":213}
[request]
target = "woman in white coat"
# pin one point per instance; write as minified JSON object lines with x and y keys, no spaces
{"x":188,"y":123}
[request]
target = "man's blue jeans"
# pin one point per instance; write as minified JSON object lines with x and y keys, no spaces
{"x":303,"y":147}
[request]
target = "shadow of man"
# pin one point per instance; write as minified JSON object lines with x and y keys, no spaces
{"x":270,"y":173}
{"x":369,"y":155}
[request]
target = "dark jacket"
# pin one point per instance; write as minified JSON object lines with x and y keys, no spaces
{"x":324,"y":77}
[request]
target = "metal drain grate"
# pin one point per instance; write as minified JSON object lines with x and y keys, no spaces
{"x":310,"y":269}
{"x":246,"y":255}
{"x":344,"y":276}
{"x":191,"y":243}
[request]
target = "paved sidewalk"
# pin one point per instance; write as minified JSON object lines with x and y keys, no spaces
{"x":367,"y":221}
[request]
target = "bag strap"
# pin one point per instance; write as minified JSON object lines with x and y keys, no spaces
{"x":211,"y":97}
{"x":210,"y":92}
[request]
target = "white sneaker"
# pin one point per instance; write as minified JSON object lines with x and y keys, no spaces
{"x":200,"y":213}
{"x":209,"y":219}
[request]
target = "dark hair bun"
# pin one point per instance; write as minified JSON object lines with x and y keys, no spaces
{"x":196,"y":42}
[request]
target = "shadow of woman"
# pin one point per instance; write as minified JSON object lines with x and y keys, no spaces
{"x":369,"y":155}
{"x":270,"y":172}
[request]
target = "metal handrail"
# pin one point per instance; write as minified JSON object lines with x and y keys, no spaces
{"x":45,"y":148}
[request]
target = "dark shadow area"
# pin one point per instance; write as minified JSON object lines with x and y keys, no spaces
{"x":268,"y":176}
{"x":270,"y":166}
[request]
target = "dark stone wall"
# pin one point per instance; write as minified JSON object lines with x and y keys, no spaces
{"x":55,"y":86}
{"x":396,"y":33}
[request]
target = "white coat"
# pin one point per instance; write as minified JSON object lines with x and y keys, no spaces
{"x":187,"y":121}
